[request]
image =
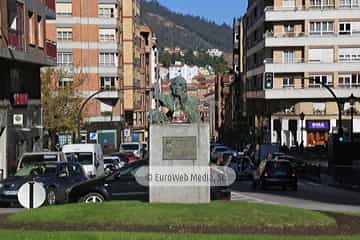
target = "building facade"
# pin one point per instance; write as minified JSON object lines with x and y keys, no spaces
{"x":289,"y":47}
{"x":24,"y":49}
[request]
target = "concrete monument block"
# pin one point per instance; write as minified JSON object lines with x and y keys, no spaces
{"x":174,"y":147}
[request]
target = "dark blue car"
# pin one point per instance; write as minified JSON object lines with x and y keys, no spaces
{"x":57,"y":178}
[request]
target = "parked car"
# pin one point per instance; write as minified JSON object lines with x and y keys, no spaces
{"x":275,"y":173}
{"x":57,"y":178}
{"x":111,"y":164}
{"x":122,"y":185}
{"x":297,"y":164}
{"x":137,"y":148}
{"x":243,"y":166}
{"x":90,"y":156}
{"x":217,"y":151}
{"x":38,"y":157}
{"x":124,"y":157}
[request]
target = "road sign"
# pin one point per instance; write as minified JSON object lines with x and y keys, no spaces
{"x":93,"y":136}
{"x":31,"y":195}
{"x":127,"y":132}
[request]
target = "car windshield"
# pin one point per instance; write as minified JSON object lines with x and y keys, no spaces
{"x":130,"y":146}
{"x":109,"y":160}
{"x":278,"y":168}
{"x":221,"y":149}
{"x":29,"y":160}
{"x":37,"y":170}
{"x":84,"y":158}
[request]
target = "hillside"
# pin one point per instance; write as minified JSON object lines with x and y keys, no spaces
{"x":184,"y":31}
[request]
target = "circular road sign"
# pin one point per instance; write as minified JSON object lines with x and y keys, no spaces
{"x":32,"y":195}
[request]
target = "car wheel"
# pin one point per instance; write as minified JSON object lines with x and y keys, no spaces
{"x":92,"y":198}
{"x":51,"y":197}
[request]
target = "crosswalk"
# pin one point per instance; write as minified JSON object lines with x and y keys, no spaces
{"x":237,"y":196}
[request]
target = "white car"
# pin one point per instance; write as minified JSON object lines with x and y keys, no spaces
{"x":137,"y":148}
{"x":90,"y":156}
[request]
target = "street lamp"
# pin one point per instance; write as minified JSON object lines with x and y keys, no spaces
{"x":352,"y":100}
{"x":302,"y":117}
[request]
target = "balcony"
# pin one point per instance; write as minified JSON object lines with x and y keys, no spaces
{"x":50,"y":49}
{"x":313,"y":12}
{"x":301,"y":39}
{"x":301,"y":93}
{"x":299,"y":66}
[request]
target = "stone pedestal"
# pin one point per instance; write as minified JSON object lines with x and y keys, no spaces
{"x":177,"y":146}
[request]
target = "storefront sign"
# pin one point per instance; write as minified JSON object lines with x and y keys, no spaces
{"x":316,"y":125}
{"x":20,"y":99}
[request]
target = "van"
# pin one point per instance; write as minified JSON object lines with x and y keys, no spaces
{"x":28,"y":159}
{"x":90,"y":156}
{"x":137,"y":148}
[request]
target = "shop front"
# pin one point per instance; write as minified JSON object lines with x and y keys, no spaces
{"x":317,"y":132}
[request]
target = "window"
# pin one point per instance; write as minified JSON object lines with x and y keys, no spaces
{"x":327,"y":79}
{"x":288,"y":82}
{"x":321,"y":55}
{"x":319,"y":108}
{"x":289,"y":3}
{"x":289,"y":56}
{"x":65,"y":82}
{"x":320,"y":28}
{"x":64,"y":34}
{"x":64,"y":58}
{"x":322,"y":3}
{"x":349,"y":54}
{"x":349,"y":3}
{"x":31,"y":28}
{"x":108,"y":59}
{"x":107,"y":10}
{"x":105,"y":108}
{"x":355,"y":80}
{"x":64,"y":9}
{"x":289,"y":28}
{"x":107,"y":82}
{"x":107,"y":35}
{"x":344,"y":80}
{"x":40,"y":31}
{"x":344,"y":28}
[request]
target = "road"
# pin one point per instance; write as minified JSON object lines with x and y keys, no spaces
{"x":309,"y":195}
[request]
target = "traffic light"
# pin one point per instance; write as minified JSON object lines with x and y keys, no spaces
{"x":340,"y":136}
{"x":269,"y":77}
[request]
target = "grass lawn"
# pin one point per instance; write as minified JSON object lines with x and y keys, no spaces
{"x":33,"y":235}
{"x":231,"y":214}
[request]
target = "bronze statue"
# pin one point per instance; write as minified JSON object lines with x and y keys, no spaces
{"x":177,"y":102}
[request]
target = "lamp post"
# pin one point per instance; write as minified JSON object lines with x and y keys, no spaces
{"x":352,"y":103}
{"x":302,"y":117}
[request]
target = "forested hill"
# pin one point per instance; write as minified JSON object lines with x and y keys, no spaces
{"x":185,"y":31}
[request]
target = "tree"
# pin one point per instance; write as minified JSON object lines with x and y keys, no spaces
{"x":60,"y":104}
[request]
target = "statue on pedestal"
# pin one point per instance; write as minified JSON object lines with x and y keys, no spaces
{"x":181,"y":108}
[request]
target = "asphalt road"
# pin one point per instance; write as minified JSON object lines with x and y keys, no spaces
{"x":309,"y":195}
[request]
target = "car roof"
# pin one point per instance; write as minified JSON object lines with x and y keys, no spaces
{"x":40,"y":153}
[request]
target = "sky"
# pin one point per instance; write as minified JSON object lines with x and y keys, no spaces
{"x":219,"y":11}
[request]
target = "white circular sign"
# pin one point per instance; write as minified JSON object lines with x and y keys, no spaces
{"x":32,"y":195}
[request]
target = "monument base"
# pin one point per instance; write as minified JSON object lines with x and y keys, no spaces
{"x":178,"y":146}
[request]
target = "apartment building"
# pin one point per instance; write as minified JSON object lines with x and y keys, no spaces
{"x":289,"y":45}
{"x":24,"y":49}
{"x":89,"y":40}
